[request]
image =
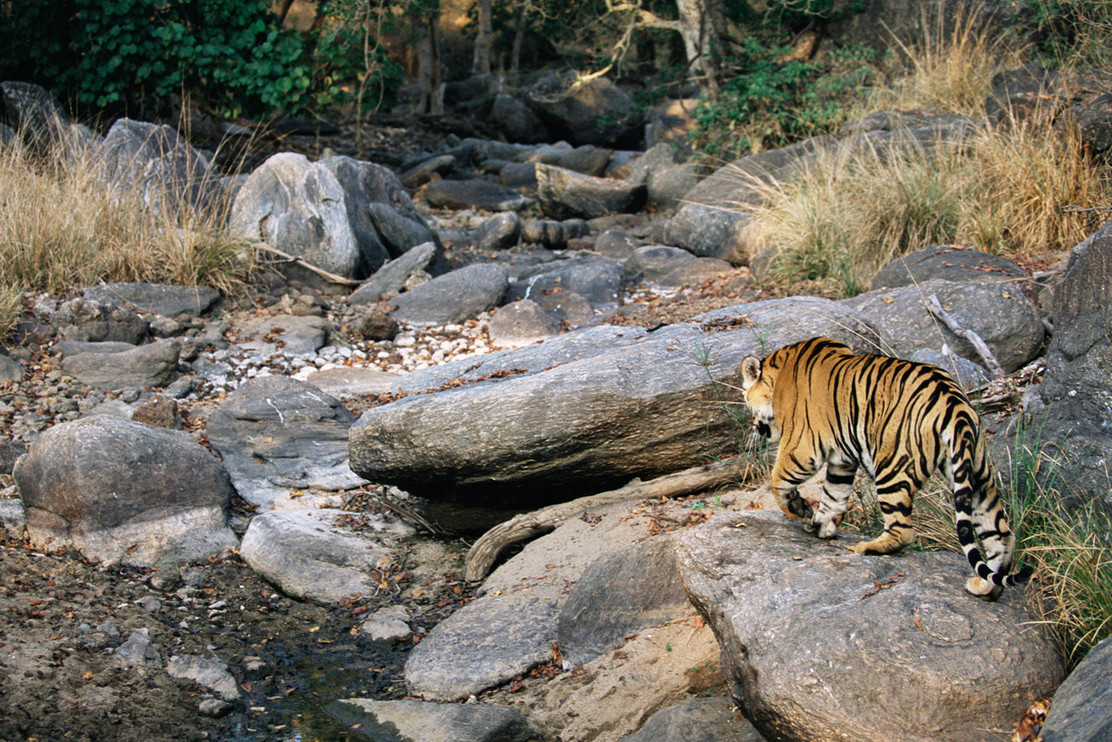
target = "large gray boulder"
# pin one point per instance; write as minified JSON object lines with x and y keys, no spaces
{"x":643,"y":409}
{"x":566,"y":194}
{"x":949,"y":263}
{"x":318,"y":555}
{"x":120,"y":366}
{"x":382,"y":216}
{"x":595,"y":112}
{"x":121,"y":492}
{"x":453,"y":297}
{"x":1002,"y":315}
{"x":1073,"y":405}
{"x":153,"y":161}
{"x":299,"y":207}
{"x":710,"y":232}
{"x":169,"y":301}
{"x":280,"y":438}
{"x":821,"y":644}
{"x":621,"y":593}
{"x":35,"y":114}
{"x":485,"y":644}
{"x":1082,"y":707}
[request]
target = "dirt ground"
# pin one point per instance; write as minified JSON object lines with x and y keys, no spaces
{"x":62,"y":621}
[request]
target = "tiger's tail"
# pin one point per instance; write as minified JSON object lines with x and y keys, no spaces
{"x":980,"y":517}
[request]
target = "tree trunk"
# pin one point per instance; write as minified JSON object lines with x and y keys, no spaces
{"x":702,"y":25}
{"x":519,"y":35}
{"x":480,"y":64}
{"x":428,"y":62}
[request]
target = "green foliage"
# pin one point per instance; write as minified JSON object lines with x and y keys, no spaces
{"x":772,"y":100}
{"x":1071,"y":32}
{"x":228,"y":55}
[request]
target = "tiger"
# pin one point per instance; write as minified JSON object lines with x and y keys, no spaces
{"x":897,"y":420}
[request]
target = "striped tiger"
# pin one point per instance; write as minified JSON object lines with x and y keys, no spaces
{"x":899,"y":421}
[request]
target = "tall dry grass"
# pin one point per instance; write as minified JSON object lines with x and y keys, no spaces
{"x":62,"y":229}
{"x":950,"y":66}
{"x":1014,"y":191}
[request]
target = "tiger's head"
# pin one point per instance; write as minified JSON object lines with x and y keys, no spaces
{"x":757,"y":389}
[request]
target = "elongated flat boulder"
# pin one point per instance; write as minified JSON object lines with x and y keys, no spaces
{"x":649,"y":407}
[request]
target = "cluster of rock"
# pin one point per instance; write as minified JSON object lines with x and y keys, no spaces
{"x":813,"y":641}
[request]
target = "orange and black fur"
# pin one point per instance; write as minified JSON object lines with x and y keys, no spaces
{"x":900,"y":422}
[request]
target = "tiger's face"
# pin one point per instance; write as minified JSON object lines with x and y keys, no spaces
{"x":757,"y":389}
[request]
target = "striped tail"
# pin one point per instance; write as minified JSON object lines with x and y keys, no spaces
{"x":980,"y":518}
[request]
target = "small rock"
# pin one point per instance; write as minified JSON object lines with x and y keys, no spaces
{"x":378,"y":325}
{"x":138,"y":651}
{"x":387,"y":624}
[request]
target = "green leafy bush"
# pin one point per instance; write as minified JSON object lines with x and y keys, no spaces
{"x":228,"y":54}
{"x":772,"y":100}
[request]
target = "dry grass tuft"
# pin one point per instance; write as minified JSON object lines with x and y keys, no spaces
{"x":1013,"y":191}
{"x":62,"y":229}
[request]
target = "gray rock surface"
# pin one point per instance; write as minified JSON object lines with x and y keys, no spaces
{"x":1073,"y":405}
{"x":280,"y":438}
{"x":599,"y":280}
{"x":291,"y":335}
{"x":1001,"y":314}
{"x":10,"y":369}
{"x":299,"y":207}
{"x":35,"y":113}
{"x":391,"y":278}
{"x":453,"y":297}
{"x":317,"y":555}
{"x":207,"y":672}
{"x":712,"y":719}
{"x":123,"y":492}
{"x":948,"y":263}
{"x":483,"y":644}
{"x":160,"y":166}
{"x":520,"y":323}
{"x":378,"y":210}
{"x":1082,"y":706}
{"x":169,"y":301}
{"x":154,"y":364}
{"x":91,"y":320}
{"x":473,"y":194}
{"x":653,"y":262}
{"x":819,"y":643}
{"x":566,"y":194}
{"x":534,"y":437}
{"x":420,"y":721}
{"x":595,"y":112}
{"x":710,"y":232}
{"x":630,"y":589}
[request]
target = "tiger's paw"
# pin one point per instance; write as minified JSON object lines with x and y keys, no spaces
{"x":800,"y":508}
{"x":827,"y":530}
{"x":983,"y":588}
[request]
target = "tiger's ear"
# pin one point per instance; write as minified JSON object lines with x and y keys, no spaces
{"x":750,"y":371}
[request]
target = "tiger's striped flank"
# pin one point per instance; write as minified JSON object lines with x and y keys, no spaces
{"x":899,"y":422}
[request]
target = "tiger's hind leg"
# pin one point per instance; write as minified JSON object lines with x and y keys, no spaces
{"x":836,"y":491}
{"x":894,"y":489}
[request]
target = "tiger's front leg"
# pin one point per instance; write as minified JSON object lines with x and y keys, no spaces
{"x":785,"y":485}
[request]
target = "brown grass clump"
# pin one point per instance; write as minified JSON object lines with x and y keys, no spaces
{"x":62,"y":229}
